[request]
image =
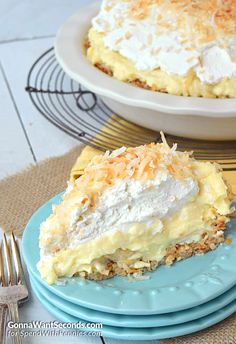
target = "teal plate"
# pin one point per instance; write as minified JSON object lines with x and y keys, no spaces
{"x":139,"y":321}
{"x":186,"y":284}
{"x":150,"y":333}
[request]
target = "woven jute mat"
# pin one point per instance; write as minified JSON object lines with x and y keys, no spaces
{"x":22,"y":194}
{"x":25,"y":192}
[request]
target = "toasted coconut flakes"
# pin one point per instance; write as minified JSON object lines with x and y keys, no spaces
{"x":140,"y":163}
{"x":139,"y":277}
{"x":163,"y":139}
{"x":117,"y":152}
{"x":174,"y":147}
{"x":156,"y":51}
{"x":130,"y":173}
{"x":119,"y":40}
{"x":108,"y":8}
{"x":128,"y":35}
{"x":134,"y":162}
{"x":106,"y":154}
{"x":150,"y":39}
{"x":228,"y":241}
{"x":201,"y":21}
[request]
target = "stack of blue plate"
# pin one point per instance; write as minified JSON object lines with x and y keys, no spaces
{"x":190,"y":296}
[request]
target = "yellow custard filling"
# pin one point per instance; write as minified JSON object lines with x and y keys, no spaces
{"x":157,"y":80}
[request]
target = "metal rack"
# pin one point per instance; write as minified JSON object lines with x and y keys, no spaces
{"x":84,"y":116}
{"x":77,"y":111}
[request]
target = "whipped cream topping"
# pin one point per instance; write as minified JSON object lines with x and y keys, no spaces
{"x":132,"y":201}
{"x":150,"y":45}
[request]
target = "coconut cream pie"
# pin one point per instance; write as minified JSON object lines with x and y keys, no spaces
{"x":179,"y":47}
{"x":132,"y":210}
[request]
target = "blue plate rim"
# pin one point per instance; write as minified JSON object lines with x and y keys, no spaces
{"x":138,"y":320}
{"x":151,"y":306}
{"x":154,"y":333}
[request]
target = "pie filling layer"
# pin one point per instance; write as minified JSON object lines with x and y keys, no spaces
{"x":121,"y":68}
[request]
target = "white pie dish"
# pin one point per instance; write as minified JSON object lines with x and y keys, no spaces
{"x":202,"y":118}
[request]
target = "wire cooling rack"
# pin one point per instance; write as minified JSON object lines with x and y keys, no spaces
{"x":77,"y":111}
{"x":84,"y":116}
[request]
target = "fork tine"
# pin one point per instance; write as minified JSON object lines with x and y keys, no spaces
{"x":8,"y":260}
{"x":2,"y":273}
{"x":17,"y":260}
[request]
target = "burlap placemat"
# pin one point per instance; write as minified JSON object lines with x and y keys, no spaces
{"x":23,"y":193}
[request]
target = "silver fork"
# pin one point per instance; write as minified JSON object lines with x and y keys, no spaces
{"x":3,"y":323}
{"x":14,"y":289}
{"x":3,"y":308}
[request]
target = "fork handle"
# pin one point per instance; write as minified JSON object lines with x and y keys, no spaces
{"x":3,"y":318}
{"x":14,"y":316}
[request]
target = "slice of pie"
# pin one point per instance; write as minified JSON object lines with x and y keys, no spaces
{"x":132,"y":210}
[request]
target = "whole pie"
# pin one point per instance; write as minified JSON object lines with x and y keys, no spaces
{"x":179,"y":47}
{"x":132,"y":210}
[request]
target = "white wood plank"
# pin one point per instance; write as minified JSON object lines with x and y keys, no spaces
{"x":31,"y":18}
{"x":46,"y":139}
{"x":15,"y":153}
